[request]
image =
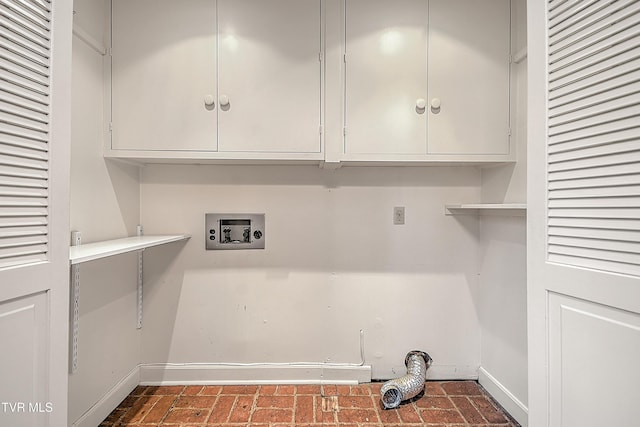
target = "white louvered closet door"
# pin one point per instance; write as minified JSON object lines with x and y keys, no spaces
{"x":35,"y":67}
{"x":594,"y":135}
{"x":24,"y":138}
{"x":584,"y":224}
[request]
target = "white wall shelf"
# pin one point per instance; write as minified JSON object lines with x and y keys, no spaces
{"x":514,"y":209}
{"x":79,"y":253}
{"x":92,"y":251}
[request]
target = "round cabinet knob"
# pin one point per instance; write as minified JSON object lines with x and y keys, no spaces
{"x":224,"y":100}
{"x":435,"y":103}
{"x":421,"y":103}
{"x":257,"y":234}
{"x":209,"y":100}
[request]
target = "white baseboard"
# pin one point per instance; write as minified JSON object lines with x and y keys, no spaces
{"x":504,"y":397}
{"x":98,"y":412}
{"x":452,"y":372}
{"x":214,"y":374}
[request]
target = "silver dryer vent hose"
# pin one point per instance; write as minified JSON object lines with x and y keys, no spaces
{"x":395,"y":391}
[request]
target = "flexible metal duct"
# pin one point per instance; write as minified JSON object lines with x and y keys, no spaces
{"x":395,"y":391}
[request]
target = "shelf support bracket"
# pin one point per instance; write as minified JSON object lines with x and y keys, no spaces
{"x":139,"y":286}
{"x":76,"y":239}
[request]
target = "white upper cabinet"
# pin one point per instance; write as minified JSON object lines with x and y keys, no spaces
{"x":221,"y":80}
{"x":404,"y":81}
{"x":163,"y":67}
{"x":269,"y":75}
{"x":468,"y":74}
{"x":385,"y":65}
{"x":427,"y":80}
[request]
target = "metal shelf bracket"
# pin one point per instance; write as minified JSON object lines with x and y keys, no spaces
{"x":139,"y":287}
{"x":76,"y":239}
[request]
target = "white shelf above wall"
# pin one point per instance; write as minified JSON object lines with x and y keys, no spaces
{"x":92,"y":251}
{"x":514,"y":209}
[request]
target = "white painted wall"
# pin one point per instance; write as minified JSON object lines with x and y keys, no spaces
{"x":104,"y":205}
{"x":503,"y":309}
{"x":334,"y":264}
{"x":105,"y":196}
{"x":502,"y":244}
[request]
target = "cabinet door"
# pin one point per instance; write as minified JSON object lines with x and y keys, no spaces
{"x":469,"y":47}
{"x":164,"y":61}
{"x":386,"y":63}
{"x":269,"y":72}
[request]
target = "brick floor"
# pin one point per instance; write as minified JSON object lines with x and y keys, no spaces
{"x":443,"y":404}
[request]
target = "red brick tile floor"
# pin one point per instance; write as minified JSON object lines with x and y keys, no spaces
{"x":443,"y":404}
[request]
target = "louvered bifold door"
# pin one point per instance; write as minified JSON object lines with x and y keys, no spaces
{"x":24,"y":130}
{"x":594,"y":134}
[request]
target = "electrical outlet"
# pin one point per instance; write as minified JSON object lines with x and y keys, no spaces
{"x":398,"y":215}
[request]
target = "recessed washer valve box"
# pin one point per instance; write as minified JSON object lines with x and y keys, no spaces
{"x":234,"y":231}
